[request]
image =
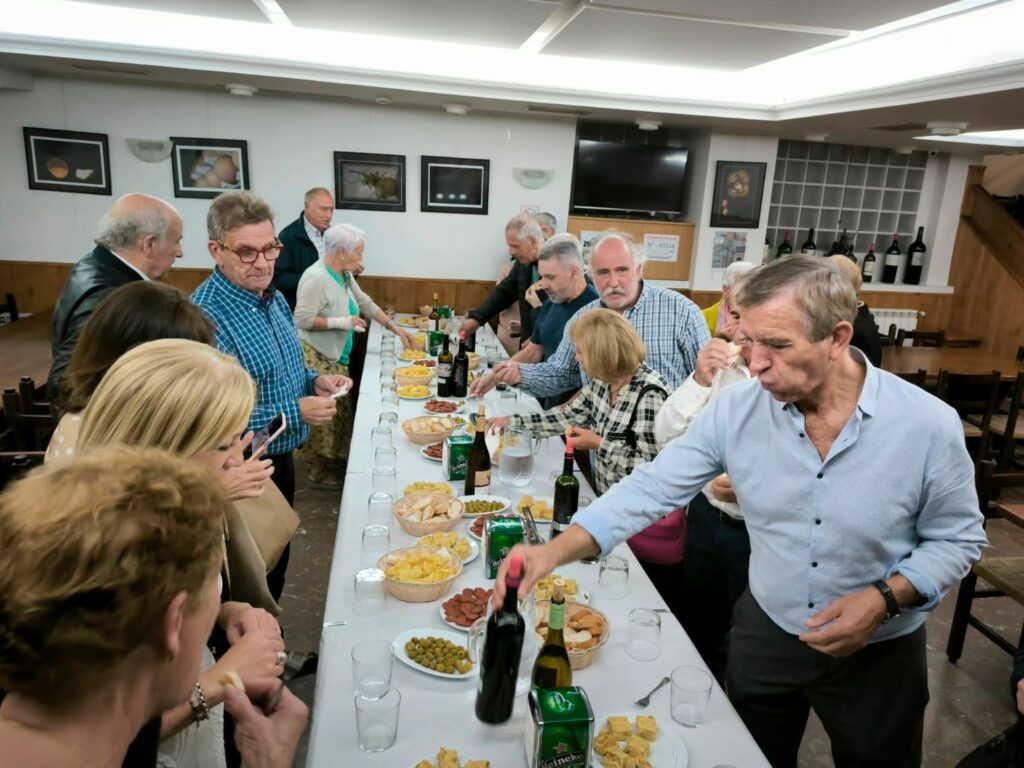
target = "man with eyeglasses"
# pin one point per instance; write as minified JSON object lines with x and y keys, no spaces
{"x":255,"y":325}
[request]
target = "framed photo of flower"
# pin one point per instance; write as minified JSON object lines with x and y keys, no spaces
{"x":369,"y":182}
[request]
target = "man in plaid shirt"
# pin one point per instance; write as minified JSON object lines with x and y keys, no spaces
{"x":672,"y":328}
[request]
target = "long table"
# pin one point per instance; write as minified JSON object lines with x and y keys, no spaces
{"x":25,"y":349}
{"x":439,"y":712}
{"x":955,"y":360}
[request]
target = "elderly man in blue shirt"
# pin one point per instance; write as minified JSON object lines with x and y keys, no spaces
{"x":859,"y":499}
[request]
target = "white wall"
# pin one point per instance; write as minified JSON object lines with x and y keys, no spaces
{"x":291,"y":141}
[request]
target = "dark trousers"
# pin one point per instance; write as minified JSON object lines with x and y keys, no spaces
{"x":667,"y":578}
{"x":284,"y":479}
{"x":714,"y":576}
{"x":871,"y":703}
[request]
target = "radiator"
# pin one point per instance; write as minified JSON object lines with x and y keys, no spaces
{"x":905,"y":319}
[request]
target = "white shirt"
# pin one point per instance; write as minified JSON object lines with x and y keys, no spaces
{"x":131,"y":266}
{"x":682,"y":407}
{"x":316,"y":237}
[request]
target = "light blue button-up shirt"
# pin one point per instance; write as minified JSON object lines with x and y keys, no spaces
{"x":895,"y":493}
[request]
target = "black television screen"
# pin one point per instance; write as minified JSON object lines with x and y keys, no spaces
{"x":609,"y":176}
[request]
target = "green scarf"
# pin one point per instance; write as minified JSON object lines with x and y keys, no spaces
{"x":353,"y":309}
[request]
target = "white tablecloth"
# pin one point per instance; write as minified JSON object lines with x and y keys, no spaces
{"x":439,"y":712}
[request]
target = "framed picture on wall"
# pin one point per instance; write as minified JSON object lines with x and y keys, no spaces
{"x":368,"y":182}
{"x":207,"y":167}
{"x":454,"y":185}
{"x":737,"y":194}
{"x":67,"y":161}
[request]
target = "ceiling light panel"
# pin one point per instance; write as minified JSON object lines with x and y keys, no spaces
{"x":240,"y":10}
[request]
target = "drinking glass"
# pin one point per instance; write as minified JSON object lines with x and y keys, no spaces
{"x":381,"y":437}
{"x":388,"y":387}
{"x":691,"y":692}
{"x":388,"y":419}
{"x":643,"y":636}
{"x":385,"y":479}
{"x":389,"y":310}
{"x":613,"y":577}
{"x":388,"y":366}
{"x":379,"y":507}
{"x":371,"y":599}
{"x":515,"y":465}
{"x":508,"y":401}
{"x":372,"y":661}
{"x":387,"y":354}
{"x":385,"y":457}
{"x":389,"y":401}
{"x":377,"y":720}
{"x":376,"y":543}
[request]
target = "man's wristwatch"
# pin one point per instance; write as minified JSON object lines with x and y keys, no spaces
{"x":892,"y":606}
{"x":200,"y":709}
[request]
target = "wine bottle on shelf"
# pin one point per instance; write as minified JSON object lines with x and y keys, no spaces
{"x":892,"y":261}
{"x":840,"y":246}
{"x":867,"y":272}
{"x":552,"y":668}
{"x":567,"y":492}
{"x":785,"y":247}
{"x":849,"y":248}
{"x":915,"y":259}
{"x":503,"y":647}
{"x":478,"y":463}
{"x":460,"y":369}
{"x":444,"y":369}
{"x":435,"y":316}
{"x":809,"y":248}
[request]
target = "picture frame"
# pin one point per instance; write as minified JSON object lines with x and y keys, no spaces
{"x":67,"y":161}
{"x":738,"y":194}
{"x":206,"y":167}
{"x":454,"y":185}
{"x":364,"y":181}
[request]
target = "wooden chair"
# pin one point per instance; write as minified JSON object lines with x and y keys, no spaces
{"x":921,"y":338}
{"x":918,"y":378}
{"x":27,"y":423}
{"x":1008,"y":428}
{"x":1020,"y":354}
{"x":975,"y":397}
{"x":1004,"y":574}
{"x":889,"y":340}
{"x":10,"y":307}
{"x":16,"y":465}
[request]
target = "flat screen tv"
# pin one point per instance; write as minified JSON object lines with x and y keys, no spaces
{"x":609,"y":177}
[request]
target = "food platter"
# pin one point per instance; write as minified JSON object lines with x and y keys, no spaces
{"x":409,"y":322}
{"x":481,"y":607}
{"x":666,"y":751}
{"x":398,"y":645}
{"x":420,"y":397}
{"x":480,"y":536}
{"x":505,"y":502}
{"x":474,"y":549}
{"x":460,"y":406}
{"x":424,"y":454}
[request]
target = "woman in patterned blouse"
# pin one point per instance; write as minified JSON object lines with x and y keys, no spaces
{"x":613,"y":416}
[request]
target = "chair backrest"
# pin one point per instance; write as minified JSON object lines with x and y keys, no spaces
{"x":9,"y":307}
{"x":27,"y":423}
{"x":1012,"y":415}
{"x":921,"y":338}
{"x":918,"y":378}
{"x":1020,"y":353}
{"x":989,"y":482}
{"x":15,"y":465}
{"x":889,"y":339}
{"x":972,"y":394}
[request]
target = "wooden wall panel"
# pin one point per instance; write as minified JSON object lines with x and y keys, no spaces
{"x":656,"y":270}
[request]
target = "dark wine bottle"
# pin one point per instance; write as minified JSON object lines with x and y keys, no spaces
{"x":849,"y":248}
{"x":478,"y":463}
{"x":552,"y":668}
{"x":567,"y":493}
{"x":840,"y":246}
{"x":867,"y":272}
{"x":460,"y":369}
{"x":444,"y":369}
{"x":435,"y":316}
{"x":915,"y":259}
{"x":785,"y":248}
{"x":892,"y":261}
{"x":809,"y":248}
{"x":503,"y":647}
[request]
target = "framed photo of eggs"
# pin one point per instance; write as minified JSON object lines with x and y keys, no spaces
{"x":454,"y":185}
{"x":738,"y":193}
{"x":67,"y":161}
{"x":207,"y":167}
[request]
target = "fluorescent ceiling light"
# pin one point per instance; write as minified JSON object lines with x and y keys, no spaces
{"x":274,"y":12}
{"x":1011,"y":138}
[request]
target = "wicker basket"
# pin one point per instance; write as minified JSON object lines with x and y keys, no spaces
{"x":437,"y":525}
{"x":404,"y":379}
{"x":409,"y":592}
{"x":421,"y":437}
{"x":474,"y":360}
{"x":577,"y":659}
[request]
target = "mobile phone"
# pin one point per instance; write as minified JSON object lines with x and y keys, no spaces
{"x":265,"y":437}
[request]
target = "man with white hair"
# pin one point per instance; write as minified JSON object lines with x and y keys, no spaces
{"x":669,"y":324}
{"x":303,"y":242}
{"x":329,"y":308}
{"x":524,"y":238}
{"x":548,"y":224}
{"x":717,"y":315}
{"x":139,"y":238}
{"x":562,"y":273}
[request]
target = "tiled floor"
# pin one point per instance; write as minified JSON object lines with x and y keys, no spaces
{"x":969,"y":701}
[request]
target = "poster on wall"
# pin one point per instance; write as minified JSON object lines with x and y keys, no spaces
{"x":738,"y":191}
{"x":727,"y":247}
{"x":207,"y":167}
{"x":661,"y":247}
{"x":67,"y":161}
{"x":454,"y":185}
{"x":369,"y":182}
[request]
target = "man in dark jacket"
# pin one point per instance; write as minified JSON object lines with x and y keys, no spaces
{"x":303,"y":242}
{"x":139,"y":238}
{"x":524,"y":238}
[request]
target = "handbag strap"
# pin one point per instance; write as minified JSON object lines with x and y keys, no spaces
{"x":629,"y":434}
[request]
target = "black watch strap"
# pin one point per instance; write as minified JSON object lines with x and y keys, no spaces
{"x":892,"y":606}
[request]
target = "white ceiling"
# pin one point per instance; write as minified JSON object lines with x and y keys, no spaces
{"x":240,"y":10}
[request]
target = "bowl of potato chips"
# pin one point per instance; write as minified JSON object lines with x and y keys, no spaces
{"x":414,"y":375}
{"x":427,"y":430}
{"x":419,"y":574}
{"x":423,"y":513}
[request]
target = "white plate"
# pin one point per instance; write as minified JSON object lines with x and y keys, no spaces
{"x":425,"y":397}
{"x":398,"y":645}
{"x":403,"y":358}
{"x":461,"y":402}
{"x":474,"y":551}
{"x":423,"y":453}
{"x":546,"y":499}
{"x":456,"y":627}
{"x":409,"y":322}
{"x":483,"y":497}
{"x":666,"y":750}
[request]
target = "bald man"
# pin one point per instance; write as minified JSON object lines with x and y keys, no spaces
{"x":138,"y":239}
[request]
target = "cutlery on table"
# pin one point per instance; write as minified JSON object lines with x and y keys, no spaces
{"x":643,"y":702}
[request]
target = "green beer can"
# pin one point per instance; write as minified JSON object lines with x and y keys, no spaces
{"x":455,"y":455}
{"x":500,"y":535}
{"x":435,"y":339}
{"x":560,"y":729}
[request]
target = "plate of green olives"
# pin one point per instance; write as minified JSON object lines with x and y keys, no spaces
{"x":484,"y":505}
{"x":437,"y":652}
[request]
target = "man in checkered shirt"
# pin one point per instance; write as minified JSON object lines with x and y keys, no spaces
{"x":671,"y":326}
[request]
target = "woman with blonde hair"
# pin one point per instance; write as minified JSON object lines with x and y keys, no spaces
{"x":194,"y":402}
{"x":613,"y":416}
{"x":865,"y":331}
{"x":103,"y":630}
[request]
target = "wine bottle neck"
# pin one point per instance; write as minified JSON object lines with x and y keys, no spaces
{"x":511,"y":603}
{"x":556,"y":617}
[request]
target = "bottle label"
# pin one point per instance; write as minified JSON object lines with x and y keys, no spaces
{"x":444,"y":370}
{"x":892,"y":259}
{"x":917,"y":259}
{"x":483,"y":480}
{"x":869,"y":268}
{"x":809,"y":251}
{"x":556,"y":617}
